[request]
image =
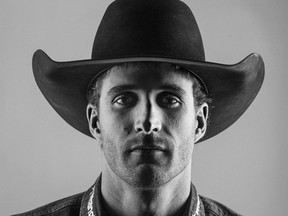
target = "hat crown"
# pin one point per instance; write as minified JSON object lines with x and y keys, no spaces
{"x":138,"y":28}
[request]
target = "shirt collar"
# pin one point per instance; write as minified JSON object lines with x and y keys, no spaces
{"x":92,"y":204}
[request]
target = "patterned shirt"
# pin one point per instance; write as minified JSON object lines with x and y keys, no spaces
{"x":90,"y":203}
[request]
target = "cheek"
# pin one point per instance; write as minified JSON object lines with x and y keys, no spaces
{"x":117,"y":124}
{"x":183,"y":121}
{"x":186,"y":137}
{"x":186,"y":131}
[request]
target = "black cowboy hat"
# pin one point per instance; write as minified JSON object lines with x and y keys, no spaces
{"x":149,"y":30}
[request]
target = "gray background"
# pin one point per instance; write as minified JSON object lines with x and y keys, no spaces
{"x":43,"y":159}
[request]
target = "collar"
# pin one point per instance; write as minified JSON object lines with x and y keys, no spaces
{"x":92,"y":202}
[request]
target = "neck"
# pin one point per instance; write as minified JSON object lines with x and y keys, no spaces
{"x":121,"y":198}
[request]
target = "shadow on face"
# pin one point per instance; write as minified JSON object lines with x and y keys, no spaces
{"x":146,"y":121}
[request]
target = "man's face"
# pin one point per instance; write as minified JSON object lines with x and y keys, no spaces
{"x":147,"y":121}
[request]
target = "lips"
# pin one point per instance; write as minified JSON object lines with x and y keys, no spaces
{"x":148,"y":148}
{"x":148,"y":143}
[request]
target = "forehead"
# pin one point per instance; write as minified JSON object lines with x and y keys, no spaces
{"x":147,"y":75}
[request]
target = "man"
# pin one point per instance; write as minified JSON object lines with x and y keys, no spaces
{"x":148,"y":96}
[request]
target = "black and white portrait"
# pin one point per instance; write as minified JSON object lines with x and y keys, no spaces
{"x":143,"y":107}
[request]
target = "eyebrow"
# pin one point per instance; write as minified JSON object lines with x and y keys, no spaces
{"x":174,"y":88}
{"x":122,"y":88}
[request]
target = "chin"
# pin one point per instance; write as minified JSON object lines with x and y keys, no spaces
{"x":147,"y":176}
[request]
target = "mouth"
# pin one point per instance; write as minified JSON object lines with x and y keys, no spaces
{"x":148,"y":144}
{"x":147,"y":148}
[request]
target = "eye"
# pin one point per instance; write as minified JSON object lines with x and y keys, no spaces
{"x":168,"y":100}
{"x":125,"y":100}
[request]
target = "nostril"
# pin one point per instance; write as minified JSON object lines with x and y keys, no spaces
{"x":155,"y":129}
{"x":138,"y":129}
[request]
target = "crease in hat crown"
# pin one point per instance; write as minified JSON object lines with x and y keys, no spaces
{"x":156,"y":28}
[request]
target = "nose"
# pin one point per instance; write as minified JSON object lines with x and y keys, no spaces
{"x":148,"y":119}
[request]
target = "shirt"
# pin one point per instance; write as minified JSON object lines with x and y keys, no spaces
{"x":90,"y":203}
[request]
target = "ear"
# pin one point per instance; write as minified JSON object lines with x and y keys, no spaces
{"x":201,"y":121}
{"x":93,"y":121}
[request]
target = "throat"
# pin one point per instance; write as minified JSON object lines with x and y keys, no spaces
{"x":123,"y":199}
{"x":148,"y":202}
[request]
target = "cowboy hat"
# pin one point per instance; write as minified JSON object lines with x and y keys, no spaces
{"x":155,"y":31}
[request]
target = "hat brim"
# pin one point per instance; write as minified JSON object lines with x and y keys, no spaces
{"x":232,"y":88}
